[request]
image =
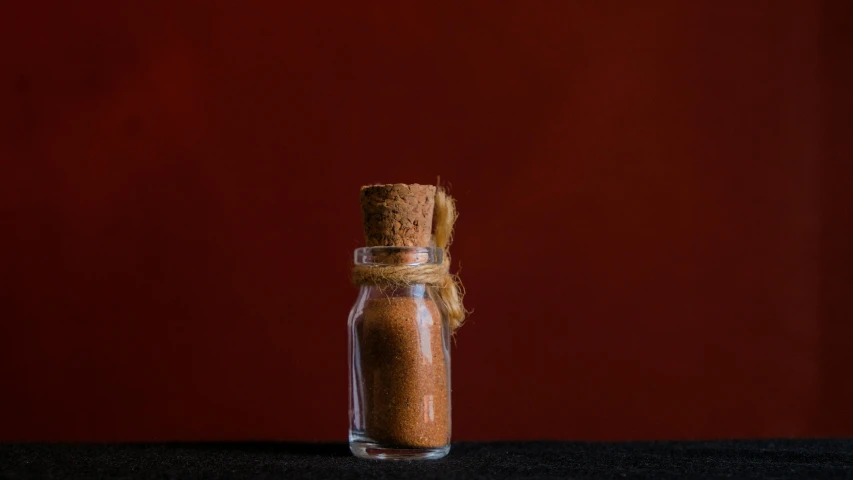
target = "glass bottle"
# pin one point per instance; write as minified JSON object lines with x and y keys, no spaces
{"x":399,"y":358}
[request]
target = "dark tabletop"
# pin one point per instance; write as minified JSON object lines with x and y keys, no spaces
{"x":812,"y":459}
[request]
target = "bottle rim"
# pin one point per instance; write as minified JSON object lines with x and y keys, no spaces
{"x":398,"y":256}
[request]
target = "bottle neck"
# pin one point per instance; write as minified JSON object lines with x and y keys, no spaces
{"x":410,"y":291}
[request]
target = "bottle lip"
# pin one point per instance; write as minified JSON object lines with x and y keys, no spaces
{"x":398,"y":256}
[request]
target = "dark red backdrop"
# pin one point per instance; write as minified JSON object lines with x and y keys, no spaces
{"x":655,"y":206}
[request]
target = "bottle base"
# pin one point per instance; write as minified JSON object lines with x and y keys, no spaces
{"x":373,"y":451}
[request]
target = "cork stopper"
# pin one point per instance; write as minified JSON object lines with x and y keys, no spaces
{"x":397,"y":215}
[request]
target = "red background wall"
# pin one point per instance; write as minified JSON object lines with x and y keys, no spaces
{"x":655,"y":205}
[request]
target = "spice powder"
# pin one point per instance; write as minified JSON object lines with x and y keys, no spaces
{"x":406,"y":375}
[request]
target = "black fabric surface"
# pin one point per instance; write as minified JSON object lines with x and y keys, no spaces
{"x":813,"y":459}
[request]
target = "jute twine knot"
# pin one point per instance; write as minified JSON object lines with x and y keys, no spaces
{"x":447,"y":286}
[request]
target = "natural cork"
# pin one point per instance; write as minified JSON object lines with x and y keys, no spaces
{"x":398,"y":214}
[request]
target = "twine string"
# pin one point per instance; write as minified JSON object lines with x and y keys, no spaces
{"x":447,"y":287}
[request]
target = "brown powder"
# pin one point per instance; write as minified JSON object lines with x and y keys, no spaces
{"x":405,"y":371}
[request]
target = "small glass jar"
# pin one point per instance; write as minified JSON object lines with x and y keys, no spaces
{"x":399,"y":358}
